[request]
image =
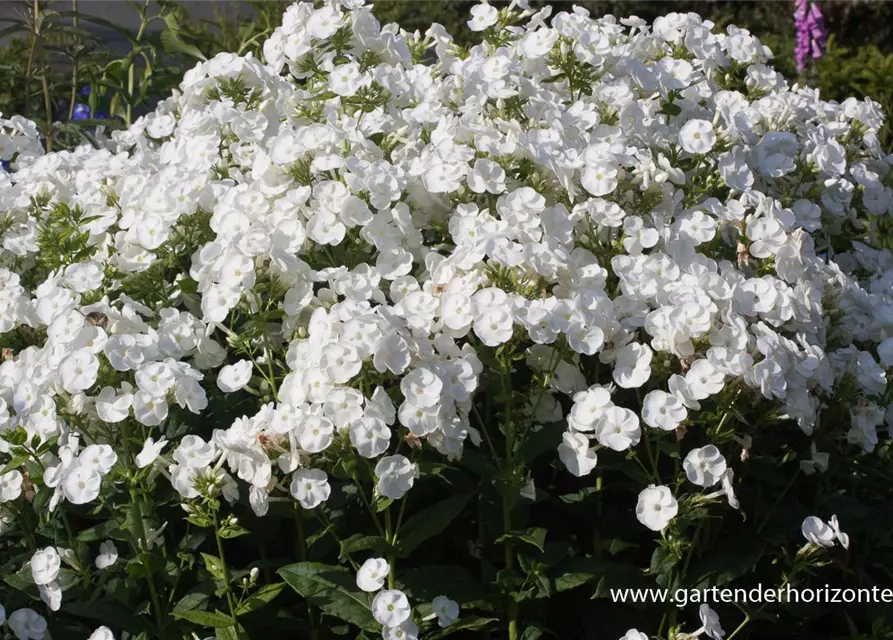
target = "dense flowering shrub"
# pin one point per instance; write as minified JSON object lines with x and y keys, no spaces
{"x":390,"y":337}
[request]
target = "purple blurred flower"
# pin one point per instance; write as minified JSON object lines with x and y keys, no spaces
{"x":81,"y":111}
{"x":812,"y":36}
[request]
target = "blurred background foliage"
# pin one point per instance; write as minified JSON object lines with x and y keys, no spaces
{"x":55,"y":56}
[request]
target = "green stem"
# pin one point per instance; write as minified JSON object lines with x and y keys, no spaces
{"x":302,"y":554}
{"x":506,"y":383}
{"x":486,"y":433}
{"x":778,"y":500}
{"x":740,"y":627}
{"x":143,"y":552}
{"x":130,"y":70}
{"x":328,"y":526}
{"x":226,"y":585}
{"x":390,"y":540}
{"x":74,"y":63}
{"x":369,"y":507}
{"x":510,"y":564}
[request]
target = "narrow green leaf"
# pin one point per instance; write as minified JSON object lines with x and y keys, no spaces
{"x":262,"y":596}
{"x":471,"y":623}
{"x":430,"y":522}
{"x":332,"y":589}
{"x":214,"y":619}
{"x":171,"y":43}
{"x":214,"y":566}
{"x":535,"y":536}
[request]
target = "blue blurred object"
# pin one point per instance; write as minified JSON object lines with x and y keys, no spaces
{"x":81,"y":111}
{"x":85,"y":90}
{"x":101,"y":115}
{"x":5,"y":165}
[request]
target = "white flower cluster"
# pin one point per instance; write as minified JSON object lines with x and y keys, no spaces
{"x":391,"y":608}
{"x":655,"y":201}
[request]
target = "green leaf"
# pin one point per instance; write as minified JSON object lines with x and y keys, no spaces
{"x":545,"y":439}
{"x":99,"y":532}
{"x":360,"y":542}
{"x":262,"y":596}
{"x":430,"y":522}
{"x":575,"y":572}
{"x":471,"y":623}
{"x":15,"y":463}
{"x":214,"y":619}
{"x":146,"y":565}
{"x":171,"y":43}
{"x":332,"y":589}
{"x":233,"y":531}
{"x":616,"y":545}
{"x":214,"y":566}
{"x":231,"y":633}
{"x":191,"y":601}
{"x":20,"y":580}
{"x":535,"y":536}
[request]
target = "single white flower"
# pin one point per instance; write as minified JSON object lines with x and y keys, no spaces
{"x":11,"y":485}
{"x":108,"y":555}
{"x":45,"y":565}
{"x":710,"y":623}
{"x":372,"y":574}
{"x":234,"y":377}
{"x":310,"y":487}
{"x":656,"y":507}
{"x":704,"y":466}
{"x":697,"y":137}
{"x":396,"y":475}
{"x":82,"y":484}
{"x":482,"y":16}
{"x":150,"y":452}
{"x":102,"y":633}
{"x":818,"y":532}
{"x":842,"y":537}
{"x":27,"y":624}
{"x":390,"y":608}
{"x":446,"y":610}
{"x":51,"y":594}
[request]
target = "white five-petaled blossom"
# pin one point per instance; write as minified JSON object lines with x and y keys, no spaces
{"x":310,"y":487}
{"x":656,"y":507}
{"x":102,"y":633}
{"x":234,"y":377}
{"x":45,"y":565}
{"x":396,"y":475}
{"x":150,"y":452}
{"x":108,"y":555}
{"x":27,"y":624}
{"x":710,"y":623}
{"x":10,"y":485}
{"x":446,"y":610}
{"x":390,"y":607}
{"x":823,"y":534}
{"x":662,"y":410}
{"x":576,"y":454}
{"x":406,"y":630}
{"x":482,"y":16}
{"x":372,"y":574}
{"x":697,"y":137}
{"x":704,"y":466}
